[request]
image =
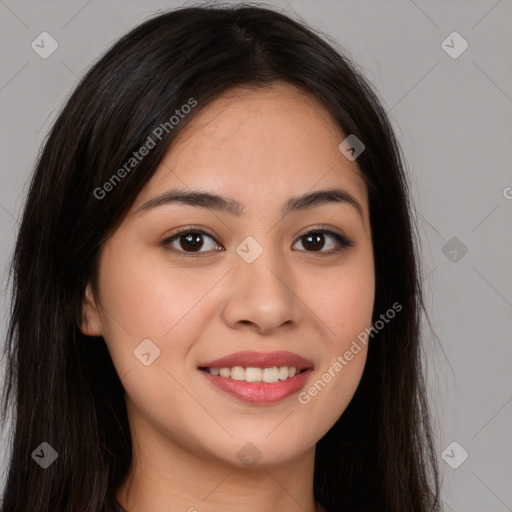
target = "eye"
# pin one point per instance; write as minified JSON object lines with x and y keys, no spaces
{"x":190,"y":242}
{"x":315,"y":241}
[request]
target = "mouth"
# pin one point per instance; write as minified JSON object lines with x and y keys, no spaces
{"x":258,"y":392}
{"x":254,"y":374}
{"x":258,"y":378}
{"x":252,"y":361}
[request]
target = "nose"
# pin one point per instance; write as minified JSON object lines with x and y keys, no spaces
{"x":260,"y":296}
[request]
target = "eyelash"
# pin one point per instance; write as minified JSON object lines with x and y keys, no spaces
{"x":343,"y":241}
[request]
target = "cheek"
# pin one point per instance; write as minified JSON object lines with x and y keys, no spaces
{"x":345,"y":305}
{"x":344,"y":301}
{"x":142,"y":297}
{"x":143,"y":294}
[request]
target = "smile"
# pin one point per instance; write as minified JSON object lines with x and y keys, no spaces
{"x":251,"y":374}
{"x":257,"y":392}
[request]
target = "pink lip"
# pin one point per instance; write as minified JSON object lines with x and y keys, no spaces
{"x":259,"y":393}
{"x":260,"y":360}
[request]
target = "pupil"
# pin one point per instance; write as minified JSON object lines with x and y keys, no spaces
{"x":193,"y":240}
{"x":315,"y":240}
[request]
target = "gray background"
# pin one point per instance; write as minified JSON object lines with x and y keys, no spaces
{"x":453,"y":118}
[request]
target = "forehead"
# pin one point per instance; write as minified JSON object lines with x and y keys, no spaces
{"x":274,"y":141}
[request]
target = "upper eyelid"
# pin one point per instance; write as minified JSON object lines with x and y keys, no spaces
{"x":192,"y":229}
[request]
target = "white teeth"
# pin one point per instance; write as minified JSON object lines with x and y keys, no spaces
{"x":284,"y":372}
{"x":238,"y":373}
{"x":251,"y":374}
{"x":271,"y":374}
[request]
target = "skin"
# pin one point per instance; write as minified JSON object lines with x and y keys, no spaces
{"x":259,"y":147}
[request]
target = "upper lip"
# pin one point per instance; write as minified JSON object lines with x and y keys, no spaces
{"x":259,"y":360}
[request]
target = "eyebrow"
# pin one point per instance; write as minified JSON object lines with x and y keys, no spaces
{"x":228,"y":205}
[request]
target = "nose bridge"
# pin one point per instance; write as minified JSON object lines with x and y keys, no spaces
{"x":261,"y":288}
{"x":263,"y":265}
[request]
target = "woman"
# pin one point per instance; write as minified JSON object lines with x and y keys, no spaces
{"x":216,"y":293}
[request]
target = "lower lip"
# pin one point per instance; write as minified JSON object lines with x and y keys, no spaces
{"x":259,"y":392}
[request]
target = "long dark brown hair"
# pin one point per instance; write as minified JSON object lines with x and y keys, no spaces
{"x":62,"y":388}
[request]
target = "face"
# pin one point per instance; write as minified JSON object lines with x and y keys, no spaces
{"x":266,"y":275}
